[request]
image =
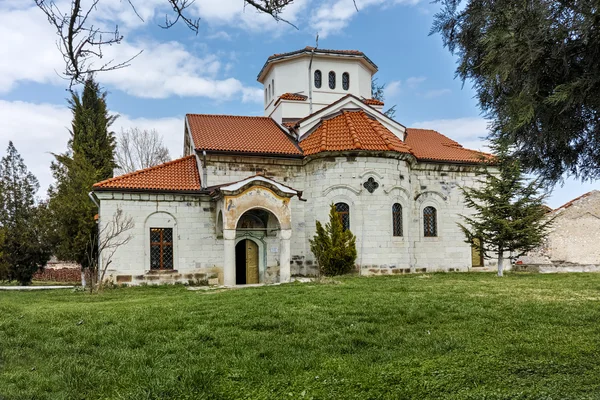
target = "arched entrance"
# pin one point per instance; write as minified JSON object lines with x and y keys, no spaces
{"x":256,"y":209}
{"x":246,"y":262}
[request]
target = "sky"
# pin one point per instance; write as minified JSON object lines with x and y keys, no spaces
{"x":214,"y":72}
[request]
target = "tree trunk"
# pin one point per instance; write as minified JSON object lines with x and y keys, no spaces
{"x":83,"y":278}
{"x":500,"y":262}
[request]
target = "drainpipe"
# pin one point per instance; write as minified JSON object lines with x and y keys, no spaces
{"x":93,"y":198}
{"x":204,"y":172}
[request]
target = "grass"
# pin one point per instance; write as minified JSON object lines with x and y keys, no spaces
{"x":455,"y":336}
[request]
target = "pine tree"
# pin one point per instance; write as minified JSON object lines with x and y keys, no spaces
{"x":334,"y":247}
{"x":509,"y":214}
{"x":89,"y":159}
{"x":24,"y":248}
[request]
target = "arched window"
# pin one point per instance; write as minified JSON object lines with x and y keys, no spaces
{"x":397,"y":219}
{"x":265,"y":95}
{"x":345,"y":81}
{"x":318,"y":79}
{"x":331,"y":80}
{"x":343,"y":210}
{"x":269,"y":91}
{"x":429,"y":222}
{"x":273,"y":87}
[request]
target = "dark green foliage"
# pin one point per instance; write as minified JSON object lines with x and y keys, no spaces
{"x":459,"y":336}
{"x":535,"y":66}
{"x":24,"y":247}
{"x":334,"y":248}
{"x":377,"y":93}
{"x":509,"y":213}
{"x":89,"y":159}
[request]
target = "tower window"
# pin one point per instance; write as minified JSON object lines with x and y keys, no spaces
{"x":273,"y":87}
{"x":345,"y":81}
{"x":331,"y":80}
{"x":318,"y":79}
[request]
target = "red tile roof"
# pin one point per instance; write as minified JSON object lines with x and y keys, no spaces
{"x":179,"y":175}
{"x":373,"y":102}
{"x":352,"y":130}
{"x":293,"y":96}
{"x":576,"y":199}
{"x":431,"y":145}
{"x":309,"y":49}
{"x":228,"y":133}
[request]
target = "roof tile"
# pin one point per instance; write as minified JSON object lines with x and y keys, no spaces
{"x":177,"y":175}
{"x":427,"y":144}
{"x":256,"y":135}
{"x":352,"y":130}
{"x":293,"y":96}
{"x":373,"y":102}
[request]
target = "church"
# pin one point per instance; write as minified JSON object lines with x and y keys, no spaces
{"x":242,"y":203}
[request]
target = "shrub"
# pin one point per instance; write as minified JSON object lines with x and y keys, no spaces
{"x":333,"y":247}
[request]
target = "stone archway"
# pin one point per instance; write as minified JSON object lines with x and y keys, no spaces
{"x":255,"y":193}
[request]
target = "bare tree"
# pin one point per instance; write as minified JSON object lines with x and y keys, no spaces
{"x":81,"y":42}
{"x":138,"y":149}
{"x":104,"y":244}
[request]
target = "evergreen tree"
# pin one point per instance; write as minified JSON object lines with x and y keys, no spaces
{"x":334,"y":247}
{"x":535,"y":67}
{"x":509,"y":214}
{"x":24,"y":248}
{"x":89,"y":159}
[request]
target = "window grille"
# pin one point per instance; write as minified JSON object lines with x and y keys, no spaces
{"x":318,"y":79}
{"x":161,"y":248}
{"x":343,"y":210}
{"x":397,"y":219}
{"x":331,"y":80}
{"x":345,"y":81}
{"x":429,"y":222}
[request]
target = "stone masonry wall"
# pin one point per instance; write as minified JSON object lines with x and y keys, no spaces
{"x":324,"y":180}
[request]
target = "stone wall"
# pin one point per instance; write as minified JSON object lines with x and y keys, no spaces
{"x":324,"y":180}
{"x":573,"y":242}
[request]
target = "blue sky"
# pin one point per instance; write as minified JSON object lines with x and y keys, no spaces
{"x":215,"y":71}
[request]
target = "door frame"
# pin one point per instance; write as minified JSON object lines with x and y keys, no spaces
{"x":262,"y":250}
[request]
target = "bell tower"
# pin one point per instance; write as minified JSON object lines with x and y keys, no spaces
{"x":289,"y":80}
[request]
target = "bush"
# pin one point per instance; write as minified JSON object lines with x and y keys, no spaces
{"x":333,"y":247}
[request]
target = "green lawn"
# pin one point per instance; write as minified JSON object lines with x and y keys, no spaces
{"x":457,"y":336}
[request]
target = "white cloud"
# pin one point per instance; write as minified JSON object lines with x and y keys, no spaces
{"x":469,"y":132}
{"x":235,"y":13}
{"x":415,"y":81}
{"x":37,"y":130}
{"x":28,"y":50}
{"x":392,"y":89}
{"x":432,"y":94}
{"x":160,"y":71}
{"x":333,"y":16}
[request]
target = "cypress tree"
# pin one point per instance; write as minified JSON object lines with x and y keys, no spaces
{"x":509,"y":213}
{"x":333,"y":247}
{"x":90,"y":158}
{"x":24,"y":249}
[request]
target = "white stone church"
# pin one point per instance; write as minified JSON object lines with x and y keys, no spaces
{"x":241,"y":205}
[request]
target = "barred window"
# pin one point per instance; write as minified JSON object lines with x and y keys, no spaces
{"x":161,"y":248}
{"x":429,"y":222}
{"x":331,"y":80}
{"x":397,"y":219}
{"x":318,"y":79}
{"x":345,"y":81}
{"x":343,"y":210}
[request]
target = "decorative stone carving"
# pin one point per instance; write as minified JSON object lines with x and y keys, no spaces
{"x":371,"y":185}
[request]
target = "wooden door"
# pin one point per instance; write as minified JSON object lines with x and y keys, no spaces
{"x":251,"y":262}
{"x":476,"y":256}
